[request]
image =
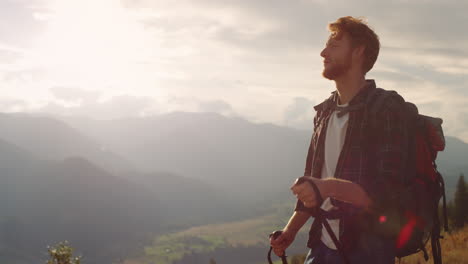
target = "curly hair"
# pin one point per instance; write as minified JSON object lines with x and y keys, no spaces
{"x":360,"y":34}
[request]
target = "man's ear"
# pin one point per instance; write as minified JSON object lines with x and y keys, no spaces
{"x":359,"y":51}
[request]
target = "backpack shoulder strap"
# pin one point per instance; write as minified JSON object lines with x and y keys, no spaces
{"x":380,"y":99}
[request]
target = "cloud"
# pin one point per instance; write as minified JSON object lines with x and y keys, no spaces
{"x":425,"y":24}
{"x":8,"y":105}
{"x":392,"y":75}
{"x":258,"y":26}
{"x":261,"y":55}
{"x":113,"y":108}
{"x":300,"y":113}
{"x":22,"y":26}
{"x":8,"y":55}
{"x":299,"y":23}
{"x":74,"y":94}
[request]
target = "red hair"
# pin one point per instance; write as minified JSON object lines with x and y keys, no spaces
{"x":360,"y":35}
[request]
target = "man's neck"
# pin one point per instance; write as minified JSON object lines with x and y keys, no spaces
{"x":348,"y":86}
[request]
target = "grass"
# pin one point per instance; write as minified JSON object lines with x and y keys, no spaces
{"x":454,"y":249}
{"x":166,"y":249}
{"x":169,"y":248}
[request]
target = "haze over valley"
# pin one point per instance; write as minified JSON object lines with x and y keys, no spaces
{"x":110,"y":187}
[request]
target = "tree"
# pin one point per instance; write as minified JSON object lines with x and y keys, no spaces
{"x":62,"y":254}
{"x":461,"y":203}
{"x":450,"y":213}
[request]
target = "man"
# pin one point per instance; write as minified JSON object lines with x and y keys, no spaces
{"x":357,"y":172}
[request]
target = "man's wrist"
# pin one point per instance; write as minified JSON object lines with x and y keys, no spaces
{"x":326,"y":188}
{"x":290,"y":231}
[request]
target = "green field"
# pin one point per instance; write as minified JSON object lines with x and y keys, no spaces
{"x":166,"y":249}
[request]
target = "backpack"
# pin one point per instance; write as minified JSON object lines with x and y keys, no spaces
{"x":419,"y":206}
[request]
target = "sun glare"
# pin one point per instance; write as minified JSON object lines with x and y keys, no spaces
{"x":93,"y":43}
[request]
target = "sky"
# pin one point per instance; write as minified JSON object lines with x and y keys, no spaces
{"x":255,"y":59}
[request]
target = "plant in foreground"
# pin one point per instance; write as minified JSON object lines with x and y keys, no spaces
{"x":62,"y":254}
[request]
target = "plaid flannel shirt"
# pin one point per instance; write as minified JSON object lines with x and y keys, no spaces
{"x":373,"y":157}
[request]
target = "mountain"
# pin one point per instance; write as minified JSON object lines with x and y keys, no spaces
{"x":190,"y":201}
{"x":252,"y":161}
{"x":245,"y":160}
{"x":104,"y":215}
{"x":51,"y":139}
{"x":57,"y":183}
{"x":452,"y":162}
{"x":44,"y":202}
{"x":12,"y":155}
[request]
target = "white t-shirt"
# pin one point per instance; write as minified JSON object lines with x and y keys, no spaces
{"x":334,"y":140}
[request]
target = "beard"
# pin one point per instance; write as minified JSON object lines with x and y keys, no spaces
{"x":336,"y":70}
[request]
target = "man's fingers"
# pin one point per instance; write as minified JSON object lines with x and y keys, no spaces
{"x":306,"y":197}
{"x":298,"y":188}
{"x":278,"y":245}
{"x":278,"y":252}
{"x":278,"y":241}
{"x":295,"y":185}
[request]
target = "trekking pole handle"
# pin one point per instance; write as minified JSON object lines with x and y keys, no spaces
{"x":318,"y":195}
{"x":275,"y":235}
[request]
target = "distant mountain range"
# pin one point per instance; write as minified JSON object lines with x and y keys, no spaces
{"x":112,"y":185}
{"x":51,"y":139}
{"x":241,"y":158}
{"x":44,"y":202}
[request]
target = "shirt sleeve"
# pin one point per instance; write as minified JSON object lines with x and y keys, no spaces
{"x":308,"y":168}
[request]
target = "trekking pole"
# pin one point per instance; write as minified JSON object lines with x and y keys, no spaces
{"x":275,"y":235}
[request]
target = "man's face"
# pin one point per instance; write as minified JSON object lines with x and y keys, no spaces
{"x":337,"y":56}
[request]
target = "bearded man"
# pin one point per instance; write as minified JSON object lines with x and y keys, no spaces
{"x":357,"y":174}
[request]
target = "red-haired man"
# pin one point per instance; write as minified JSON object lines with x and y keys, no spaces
{"x":356,"y":173}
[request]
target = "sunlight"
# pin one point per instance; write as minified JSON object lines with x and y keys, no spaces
{"x":93,"y":43}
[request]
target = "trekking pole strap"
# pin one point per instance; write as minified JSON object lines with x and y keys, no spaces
{"x":284,"y":257}
{"x":337,"y":243}
{"x":320,"y":214}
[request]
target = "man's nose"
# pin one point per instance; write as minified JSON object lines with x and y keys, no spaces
{"x":324,"y":52}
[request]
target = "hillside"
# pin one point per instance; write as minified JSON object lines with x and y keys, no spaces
{"x":247,"y":238}
{"x":453,"y":246}
{"x":51,"y":139}
{"x":246,"y":242}
{"x":45,"y":202}
{"x":247,"y":161}
{"x":234,"y":172}
{"x":189,"y":201}
{"x":104,"y":215}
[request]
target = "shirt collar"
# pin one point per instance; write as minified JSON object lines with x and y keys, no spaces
{"x":360,"y":97}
